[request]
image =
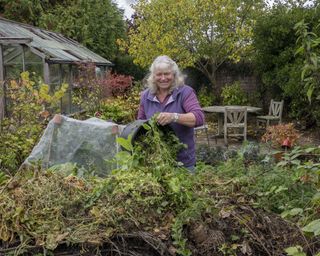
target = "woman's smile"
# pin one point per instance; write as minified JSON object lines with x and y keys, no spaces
{"x":164,"y":78}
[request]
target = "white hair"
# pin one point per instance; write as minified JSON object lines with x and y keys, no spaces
{"x":167,"y":62}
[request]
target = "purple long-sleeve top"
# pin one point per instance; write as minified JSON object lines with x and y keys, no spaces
{"x":182,"y":100}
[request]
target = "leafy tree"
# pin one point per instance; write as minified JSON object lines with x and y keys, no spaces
{"x":310,"y":75}
{"x":309,"y":48}
{"x":123,"y":64}
{"x":294,"y":3}
{"x":199,"y":33}
{"x":27,"y":11}
{"x":95,"y":24}
{"x":274,"y":41}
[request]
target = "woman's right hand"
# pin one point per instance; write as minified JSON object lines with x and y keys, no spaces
{"x":165,"y":118}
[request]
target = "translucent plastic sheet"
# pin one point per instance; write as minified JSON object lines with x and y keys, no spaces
{"x":90,"y":144}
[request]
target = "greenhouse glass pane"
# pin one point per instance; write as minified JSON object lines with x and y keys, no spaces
{"x":33,"y":63}
{"x":54,"y":81}
{"x":65,"y":73}
{"x":54,"y":74}
{"x":13,"y":61}
{"x":55,"y":108}
{"x":65,"y":103}
{"x":74,"y":88}
{"x":101,"y":72}
{"x":75,"y":93}
{"x":66,"y":100}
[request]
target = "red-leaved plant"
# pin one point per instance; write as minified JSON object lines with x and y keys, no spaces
{"x":89,"y":90}
{"x":115,"y":85}
{"x":277,"y":134}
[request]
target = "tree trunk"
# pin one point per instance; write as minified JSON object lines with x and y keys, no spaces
{"x":210,"y":71}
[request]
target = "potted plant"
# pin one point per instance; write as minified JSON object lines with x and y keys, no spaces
{"x":281,"y":137}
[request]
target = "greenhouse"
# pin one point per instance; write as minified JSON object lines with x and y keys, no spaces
{"x":50,"y":55}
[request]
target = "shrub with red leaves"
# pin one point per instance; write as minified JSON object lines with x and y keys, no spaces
{"x":115,"y":85}
{"x":89,"y":90}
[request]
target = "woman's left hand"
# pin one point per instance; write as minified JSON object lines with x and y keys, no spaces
{"x":165,"y":118}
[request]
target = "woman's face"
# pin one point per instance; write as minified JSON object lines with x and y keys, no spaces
{"x":163,"y":78}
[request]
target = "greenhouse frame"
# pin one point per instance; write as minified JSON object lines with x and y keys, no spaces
{"x":52,"y":56}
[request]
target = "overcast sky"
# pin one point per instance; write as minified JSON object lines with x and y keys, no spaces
{"x":125,"y":4}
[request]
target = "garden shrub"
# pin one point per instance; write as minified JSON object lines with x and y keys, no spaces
{"x":276,"y":60}
{"x":27,"y":100}
{"x":249,"y":152}
{"x":123,"y":64}
{"x":115,"y":85}
{"x":115,"y":110}
{"x":205,"y":96}
{"x":87,"y":90}
{"x":308,"y":42}
{"x":234,"y":95}
{"x":91,"y":93}
{"x":270,"y":187}
{"x":276,"y":134}
{"x":121,"y":109}
{"x":254,"y":98}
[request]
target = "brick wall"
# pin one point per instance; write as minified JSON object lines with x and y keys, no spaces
{"x":242,"y":72}
{"x":226,"y":75}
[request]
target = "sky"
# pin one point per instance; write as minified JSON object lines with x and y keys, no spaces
{"x":125,"y":4}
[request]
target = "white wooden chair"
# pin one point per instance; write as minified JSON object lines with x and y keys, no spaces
{"x":274,"y":115}
{"x":235,"y":123}
{"x":201,"y":128}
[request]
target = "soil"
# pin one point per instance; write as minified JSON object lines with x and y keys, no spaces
{"x":310,"y":137}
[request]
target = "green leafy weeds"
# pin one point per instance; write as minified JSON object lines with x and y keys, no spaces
{"x":150,"y":193}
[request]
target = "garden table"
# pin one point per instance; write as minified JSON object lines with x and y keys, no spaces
{"x":220,"y":110}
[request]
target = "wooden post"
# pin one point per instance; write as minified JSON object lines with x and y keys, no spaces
{"x":46,"y":72}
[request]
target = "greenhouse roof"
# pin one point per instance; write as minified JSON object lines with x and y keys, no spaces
{"x":54,"y":47}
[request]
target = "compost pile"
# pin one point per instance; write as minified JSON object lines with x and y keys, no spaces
{"x":148,"y":206}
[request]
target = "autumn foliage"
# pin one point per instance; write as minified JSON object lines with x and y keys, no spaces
{"x":115,"y":85}
{"x":276,"y":134}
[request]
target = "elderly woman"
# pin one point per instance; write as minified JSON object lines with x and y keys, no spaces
{"x":176,"y":103}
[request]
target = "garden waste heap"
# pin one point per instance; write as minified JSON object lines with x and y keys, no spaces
{"x":90,"y":144}
{"x":148,"y":205}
